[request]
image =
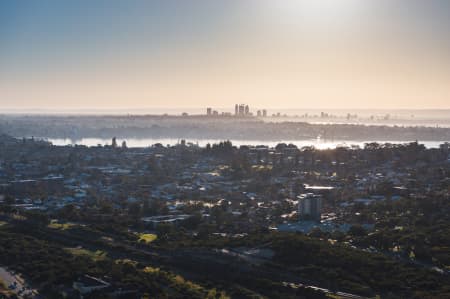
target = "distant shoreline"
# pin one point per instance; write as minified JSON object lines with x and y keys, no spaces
{"x":146,"y":142}
{"x":210,"y":127}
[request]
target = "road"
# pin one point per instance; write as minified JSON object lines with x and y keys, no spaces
{"x":16,"y":284}
{"x":327,"y":291}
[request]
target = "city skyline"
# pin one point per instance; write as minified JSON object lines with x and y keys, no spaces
{"x":225,"y":149}
{"x":108,"y":55}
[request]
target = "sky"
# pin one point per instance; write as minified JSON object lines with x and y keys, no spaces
{"x":116,"y":54}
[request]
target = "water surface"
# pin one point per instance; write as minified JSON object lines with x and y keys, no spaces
{"x":145,"y":142}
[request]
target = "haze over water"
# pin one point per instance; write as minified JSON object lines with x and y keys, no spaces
{"x":146,"y":142}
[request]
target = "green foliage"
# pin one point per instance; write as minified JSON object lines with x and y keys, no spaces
{"x":147,"y":238}
{"x":94,"y":255}
{"x":62,"y":226}
{"x":48,"y":265}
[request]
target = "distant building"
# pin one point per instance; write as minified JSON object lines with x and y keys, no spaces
{"x":244,"y":110}
{"x":310,"y":207}
{"x":241,"y":109}
{"x":114,"y":142}
{"x":154,"y":221}
{"x":30,"y":187}
{"x":209,"y":111}
{"x":88,"y":284}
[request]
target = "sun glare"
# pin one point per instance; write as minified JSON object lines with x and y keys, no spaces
{"x":313,"y":12}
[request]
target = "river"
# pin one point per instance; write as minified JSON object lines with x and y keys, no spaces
{"x":145,"y":142}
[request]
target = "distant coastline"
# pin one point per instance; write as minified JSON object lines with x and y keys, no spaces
{"x":146,"y":142}
{"x":204,"y":127}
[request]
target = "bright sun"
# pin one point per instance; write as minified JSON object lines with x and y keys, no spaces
{"x":313,"y":12}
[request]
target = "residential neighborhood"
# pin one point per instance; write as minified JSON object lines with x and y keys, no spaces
{"x":219,"y":191}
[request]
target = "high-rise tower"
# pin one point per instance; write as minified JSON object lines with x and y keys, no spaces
{"x":309,"y":207}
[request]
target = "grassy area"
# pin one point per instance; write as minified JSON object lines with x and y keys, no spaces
{"x":147,"y":238}
{"x":18,"y":217}
{"x":262,"y":167}
{"x":126,"y":262}
{"x":178,"y":281}
{"x":94,"y":255}
{"x":150,"y":269}
{"x":54,"y":224}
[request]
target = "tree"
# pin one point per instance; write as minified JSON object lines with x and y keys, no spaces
{"x":106,"y":207}
{"x":69,"y":212}
{"x":193,"y":221}
{"x":158,"y":207}
{"x":9,"y":200}
{"x":357,"y":230}
{"x":37,"y":218}
{"x":134,"y":209}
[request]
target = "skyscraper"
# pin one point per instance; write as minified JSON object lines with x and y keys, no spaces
{"x":309,"y":207}
{"x":241,"y":109}
{"x":264,"y":113}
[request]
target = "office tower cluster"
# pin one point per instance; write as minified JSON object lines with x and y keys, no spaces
{"x":239,"y":110}
{"x":242,"y":110}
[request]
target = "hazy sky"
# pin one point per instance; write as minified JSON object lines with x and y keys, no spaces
{"x":195,"y":53}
